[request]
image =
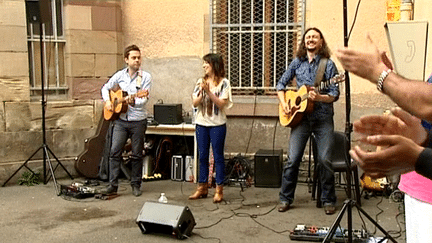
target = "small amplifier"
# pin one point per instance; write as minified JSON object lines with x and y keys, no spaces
{"x":168,"y":113}
{"x":268,"y":168}
{"x":189,"y":168}
{"x":177,"y":168}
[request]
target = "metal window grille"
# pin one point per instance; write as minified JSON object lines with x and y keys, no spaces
{"x":53,"y":47}
{"x":257,"y":39}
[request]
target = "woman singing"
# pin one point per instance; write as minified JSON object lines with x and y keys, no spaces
{"x":211,"y":96}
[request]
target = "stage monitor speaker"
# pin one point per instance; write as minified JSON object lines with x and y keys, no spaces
{"x":168,"y":113}
{"x":39,"y":11}
{"x":166,"y":219}
{"x":268,"y":168}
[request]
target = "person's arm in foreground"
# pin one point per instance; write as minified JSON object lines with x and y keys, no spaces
{"x":400,"y":137}
{"x":369,"y":64}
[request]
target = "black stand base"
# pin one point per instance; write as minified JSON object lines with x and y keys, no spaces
{"x":347,"y":207}
{"x":47,"y":151}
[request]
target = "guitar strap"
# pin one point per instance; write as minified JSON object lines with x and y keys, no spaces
{"x":320,"y":71}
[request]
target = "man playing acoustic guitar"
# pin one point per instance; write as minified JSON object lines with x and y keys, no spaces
{"x":132,"y":122}
{"x":305,"y":68}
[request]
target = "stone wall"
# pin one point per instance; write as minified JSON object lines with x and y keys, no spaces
{"x":173,"y":35}
{"x":94,"y":49}
{"x":14,"y":81}
{"x":94,"y":46}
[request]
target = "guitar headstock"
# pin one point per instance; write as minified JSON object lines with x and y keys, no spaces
{"x":339,"y":78}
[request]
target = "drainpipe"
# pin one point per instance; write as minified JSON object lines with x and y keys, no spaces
{"x":406,"y":10}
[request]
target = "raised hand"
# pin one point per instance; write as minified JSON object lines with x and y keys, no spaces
{"x":398,"y":155}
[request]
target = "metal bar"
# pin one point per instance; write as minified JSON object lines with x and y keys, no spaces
{"x":240,"y":44}
{"x":256,"y":25}
{"x":44,"y":66}
{"x":32,"y":56}
{"x":274,"y":43}
{"x":252,"y":53}
{"x":229,"y":38}
{"x":56,"y":51}
{"x":263,"y":41}
{"x":211,"y":25}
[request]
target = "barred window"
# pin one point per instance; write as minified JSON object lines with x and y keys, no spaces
{"x":257,"y":39}
{"x":53,"y":48}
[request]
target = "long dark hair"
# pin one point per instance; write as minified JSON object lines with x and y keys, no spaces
{"x":324,"y":51}
{"x":217,"y":64}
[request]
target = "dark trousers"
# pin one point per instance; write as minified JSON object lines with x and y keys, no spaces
{"x":123,"y":130}
{"x":323,"y":131}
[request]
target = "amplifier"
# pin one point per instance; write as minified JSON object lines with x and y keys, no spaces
{"x":268,"y":168}
{"x":177,"y":168}
{"x":168,"y":113}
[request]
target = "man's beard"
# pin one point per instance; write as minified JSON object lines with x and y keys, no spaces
{"x":311,"y":49}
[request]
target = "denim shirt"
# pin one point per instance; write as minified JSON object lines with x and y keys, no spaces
{"x":141,"y":80}
{"x":305,"y":73}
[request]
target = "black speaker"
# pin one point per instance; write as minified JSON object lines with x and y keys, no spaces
{"x":39,"y":11}
{"x":167,"y":219}
{"x":168,"y":113}
{"x":268,"y":168}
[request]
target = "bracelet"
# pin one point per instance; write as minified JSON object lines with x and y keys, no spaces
{"x":382,"y":77}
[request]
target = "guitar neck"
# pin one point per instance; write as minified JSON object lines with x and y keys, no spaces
{"x":325,"y":84}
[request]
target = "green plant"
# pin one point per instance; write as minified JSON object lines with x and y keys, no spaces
{"x":29,"y":179}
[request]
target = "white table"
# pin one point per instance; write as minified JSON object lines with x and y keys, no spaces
{"x":182,"y":129}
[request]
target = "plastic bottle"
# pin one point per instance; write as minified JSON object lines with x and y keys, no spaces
{"x":162,"y":198}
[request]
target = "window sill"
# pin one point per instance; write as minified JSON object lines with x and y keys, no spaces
{"x":252,"y":106}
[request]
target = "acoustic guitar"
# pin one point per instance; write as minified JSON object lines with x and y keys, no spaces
{"x":118,"y":99}
{"x":299,"y":104}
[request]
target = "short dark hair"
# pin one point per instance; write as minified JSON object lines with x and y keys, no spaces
{"x":129,"y":49}
{"x":217,"y":64}
{"x":324,"y":51}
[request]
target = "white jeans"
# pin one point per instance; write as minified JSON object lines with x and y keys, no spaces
{"x":418,"y":217}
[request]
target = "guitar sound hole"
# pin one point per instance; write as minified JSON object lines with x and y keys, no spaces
{"x":298,"y":101}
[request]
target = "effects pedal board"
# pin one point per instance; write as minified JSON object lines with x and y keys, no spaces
{"x":313,"y":233}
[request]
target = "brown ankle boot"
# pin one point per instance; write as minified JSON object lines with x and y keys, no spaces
{"x":201,"y":191}
{"x":218,"y":195}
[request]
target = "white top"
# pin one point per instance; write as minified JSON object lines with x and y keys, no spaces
{"x":208,"y":113}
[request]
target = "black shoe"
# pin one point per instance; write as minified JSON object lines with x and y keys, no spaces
{"x":284,"y":207}
{"x":136,"y":191}
{"x":109,"y":190}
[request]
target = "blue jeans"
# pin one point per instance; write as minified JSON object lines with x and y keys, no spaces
{"x":323,"y":131}
{"x":121,"y":132}
{"x":216,"y":136}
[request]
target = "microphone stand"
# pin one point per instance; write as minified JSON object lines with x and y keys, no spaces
{"x":350,"y":203}
{"x":46,"y":150}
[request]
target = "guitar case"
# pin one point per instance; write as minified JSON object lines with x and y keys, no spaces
{"x":163,"y":157}
{"x":88,"y":163}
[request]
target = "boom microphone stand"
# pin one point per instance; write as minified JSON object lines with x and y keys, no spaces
{"x":46,"y":150}
{"x":350,"y":203}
